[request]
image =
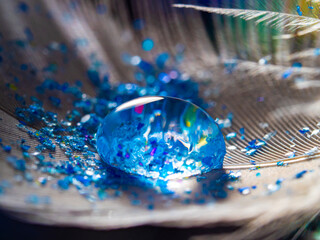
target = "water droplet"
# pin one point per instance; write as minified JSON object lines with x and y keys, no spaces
{"x":161,"y":137}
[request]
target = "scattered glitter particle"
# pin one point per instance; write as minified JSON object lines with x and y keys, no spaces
{"x":147,"y":44}
{"x":301,"y":174}
{"x":244,"y":190}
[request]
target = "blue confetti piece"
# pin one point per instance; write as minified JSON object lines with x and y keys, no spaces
{"x":231,"y":136}
{"x":162,"y":59}
{"x":304,"y":130}
{"x":287,"y":73}
{"x":297,"y":65}
{"x":301,"y":174}
{"x":299,"y":10}
{"x":147,"y":44}
{"x":138,"y":24}
{"x":64,"y":184}
{"x":24,"y":67}
{"x":244,"y":190}
{"x":23,"y":7}
{"x":7,"y":148}
{"x":55,"y":101}
{"x":94,"y":77}
{"x":251,"y":152}
{"x":279,"y":181}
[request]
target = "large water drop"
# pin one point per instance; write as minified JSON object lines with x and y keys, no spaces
{"x":161,"y":137}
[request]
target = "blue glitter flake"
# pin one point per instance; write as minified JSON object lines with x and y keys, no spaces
{"x":147,"y":44}
{"x":55,"y":101}
{"x":7,"y":148}
{"x":301,"y":174}
{"x":304,"y":130}
{"x":299,"y":10}
{"x":138,"y":24}
{"x":94,"y":77}
{"x":162,"y":59}
{"x":251,"y":152}
{"x":244,"y":190}
{"x":231,"y":136}
{"x":18,"y":164}
{"x":287,"y":73}
{"x":64,"y":183}
{"x":23,"y":7}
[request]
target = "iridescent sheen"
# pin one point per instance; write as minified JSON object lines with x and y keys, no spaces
{"x":161,"y":137}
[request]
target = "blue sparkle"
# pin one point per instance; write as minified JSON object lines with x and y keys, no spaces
{"x":300,"y":174}
{"x":147,"y":44}
{"x":23,"y":7}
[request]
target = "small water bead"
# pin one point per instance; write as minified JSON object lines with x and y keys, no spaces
{"x":161,"y":137}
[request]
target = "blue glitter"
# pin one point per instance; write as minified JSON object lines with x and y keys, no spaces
{"x":147,"y":44}
{"x":297,"y":65}
{"x":287,"y":73}
{"x":7,"y":148}
{"x":23,"y":7}
{"x":64,"y":183}
{"x":231,"y":136}
{"x":279,"y":181}
{"x":244,"y":190}
{"x":300,"y":174}
{"x":299,"y":10}
{"x":280,"y":163}
{"x":24,"y":67}
{"x":304,"y":130}
{"x":18,"y":164}
{"x":161,"y":137}
{"x":55,"y":101}
{"x":162,"y":59}
{"x":251,"y":152}
{"x":138,"y":24}
{"x":94,"y":77}
{"x":24,"y":148}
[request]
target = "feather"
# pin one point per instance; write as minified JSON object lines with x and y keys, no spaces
{"x":254,"y":93}
{"x":279,"y":20}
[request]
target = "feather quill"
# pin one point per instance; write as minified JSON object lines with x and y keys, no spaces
{"x":291,"y":22}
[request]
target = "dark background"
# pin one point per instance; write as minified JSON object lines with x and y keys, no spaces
{"x":13,"y":229}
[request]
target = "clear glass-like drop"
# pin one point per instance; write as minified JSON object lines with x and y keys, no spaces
{"x":161,"y":137}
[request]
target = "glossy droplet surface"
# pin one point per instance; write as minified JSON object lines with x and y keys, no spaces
{"x":161,"y":137}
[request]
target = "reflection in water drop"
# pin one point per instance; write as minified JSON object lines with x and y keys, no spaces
{"x":161,"y":137}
